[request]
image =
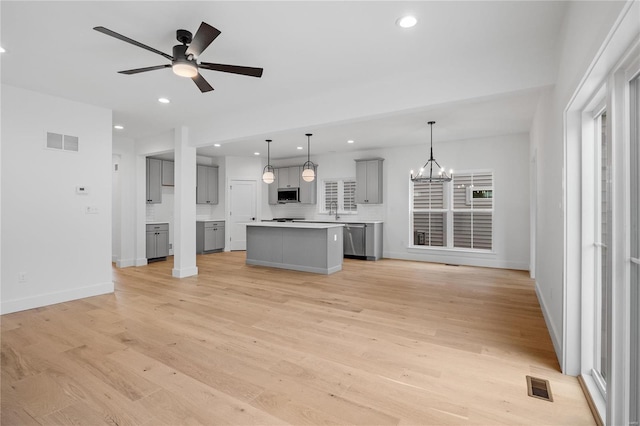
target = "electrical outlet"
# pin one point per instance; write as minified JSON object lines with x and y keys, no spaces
{"x":22,"y":277}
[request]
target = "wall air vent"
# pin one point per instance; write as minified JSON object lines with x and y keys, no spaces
{"x":62,"y":142}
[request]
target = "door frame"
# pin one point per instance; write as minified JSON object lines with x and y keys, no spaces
{"x":229,"y":235}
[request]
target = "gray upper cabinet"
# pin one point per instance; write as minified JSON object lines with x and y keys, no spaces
{"x":289,"y":177}
{"x":207,"y":185}
{"x":308,"y":189}
{"x":168,"y":173}
{"x":369,"y":181}
{"x":154,"y":181}
{"x":273,"y":188}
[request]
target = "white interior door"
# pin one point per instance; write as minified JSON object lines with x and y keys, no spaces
{"x":242,"y":209}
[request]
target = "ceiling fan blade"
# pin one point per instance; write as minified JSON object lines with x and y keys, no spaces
{"x":234,"y":69}
{"x":137,"y":70}
{"x":202,"y":84}
{"x":203,"y":38}
{"x":131,"y":41}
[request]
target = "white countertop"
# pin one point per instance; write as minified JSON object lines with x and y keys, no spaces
{"x":298,"y":225}
{"x":341,"y":220}
{"x":209,"y":220}
{"x":157,"y":223}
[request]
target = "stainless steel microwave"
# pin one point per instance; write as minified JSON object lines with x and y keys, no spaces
{"x":288,"y":195}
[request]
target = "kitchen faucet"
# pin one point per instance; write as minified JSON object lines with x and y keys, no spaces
{"x":330,"y":209}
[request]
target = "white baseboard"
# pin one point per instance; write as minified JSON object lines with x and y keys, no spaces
{"x":185,"y":272}
{"x":459,"y":258}
{"x":141,"y":262}
{"x":125,"y":263}
{"x":556,"y":338}
{"x":9,"y":306}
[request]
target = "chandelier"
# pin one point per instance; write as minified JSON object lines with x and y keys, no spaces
{"x":426,"y":173}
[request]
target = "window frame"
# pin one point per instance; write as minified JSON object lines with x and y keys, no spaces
{"x":449,"y":211}
{"x":322,"y":208}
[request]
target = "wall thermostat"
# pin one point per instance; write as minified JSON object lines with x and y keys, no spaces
{"x":80,"y":189}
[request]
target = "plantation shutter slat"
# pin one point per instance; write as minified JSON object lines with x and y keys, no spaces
{"x":330,"y":194}
{"x":349,"y":197}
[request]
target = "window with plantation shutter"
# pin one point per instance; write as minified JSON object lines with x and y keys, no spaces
{"x":429,"y":214}
{"x":456,"y":214}
{"x":330,"y":194}
{"x":340,"y":193}
{"x":349,"y":198}
{"x":473,"y":210}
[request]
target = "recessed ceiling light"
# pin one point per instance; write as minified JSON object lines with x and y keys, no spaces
{"x":407,"y":21}
{"x":350,"y":141}
{"x":298,"y":147}
{"x":2,"y":50}
{"x":256,"y":153}
{"x":163,"y":100}
{"x":217,"y":145}
{"x":119,"y":127}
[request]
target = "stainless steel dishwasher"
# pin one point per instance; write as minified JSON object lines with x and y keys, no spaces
{"x":355,"y":240}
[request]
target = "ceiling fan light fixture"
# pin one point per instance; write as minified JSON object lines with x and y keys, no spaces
{"x":185,"y":69}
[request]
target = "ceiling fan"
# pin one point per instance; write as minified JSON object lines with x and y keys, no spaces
{"x":184,"y":60}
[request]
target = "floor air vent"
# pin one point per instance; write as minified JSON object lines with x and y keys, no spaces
{"x":539,"y":388}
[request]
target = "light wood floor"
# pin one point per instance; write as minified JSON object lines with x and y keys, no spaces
{"x":380,"y":343}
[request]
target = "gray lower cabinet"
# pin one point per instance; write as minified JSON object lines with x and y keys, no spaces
{"x":207,"y":185}
{"x":154,"y":181}
{"x":369,"y":181}
{"x":209,"y":236}
{"x":157,"y":241}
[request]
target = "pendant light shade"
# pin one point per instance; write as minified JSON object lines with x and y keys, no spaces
{"x":426,"y":172}
{"x":268,"y":175}
{"x":308,"y":168}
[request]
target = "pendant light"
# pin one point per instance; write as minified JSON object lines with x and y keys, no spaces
{"x":441,"y":175}
{"x":267,"y":173}
{"x":308,"y":168}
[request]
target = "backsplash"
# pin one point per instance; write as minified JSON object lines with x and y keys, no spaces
{"x":310,"y":212}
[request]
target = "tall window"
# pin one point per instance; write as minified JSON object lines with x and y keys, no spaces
{"x":634,"y":264}
{"x":603,"y":245}
{"x":339,"y":194}
{"x":456,"y":214}
{"x":429,"y":214}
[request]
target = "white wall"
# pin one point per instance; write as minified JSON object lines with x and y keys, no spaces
{"x":585,"y":27}
{"x":123,"y":220}
{"x":506,"y":155}
{"x":46,"y":234}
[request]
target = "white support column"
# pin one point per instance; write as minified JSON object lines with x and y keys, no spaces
{"x":184,"y":232}
{"x":141,"y":210}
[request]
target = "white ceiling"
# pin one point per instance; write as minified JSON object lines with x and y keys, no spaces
{"x":340,"y":70}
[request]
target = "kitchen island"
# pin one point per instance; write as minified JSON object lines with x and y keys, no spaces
{"x":308,"y":247}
